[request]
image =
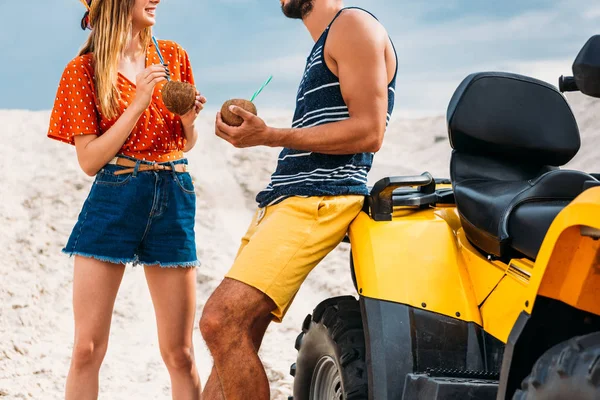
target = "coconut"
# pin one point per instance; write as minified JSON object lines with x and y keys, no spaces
{"x":179,"y":97}
{"x":230,"y":118}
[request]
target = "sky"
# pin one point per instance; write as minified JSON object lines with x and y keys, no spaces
{"x":234,"y":45}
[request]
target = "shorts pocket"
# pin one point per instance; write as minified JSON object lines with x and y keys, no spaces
{"x":184,"y":181}
{"x":108,"y":178}
{"x":338,"y":205}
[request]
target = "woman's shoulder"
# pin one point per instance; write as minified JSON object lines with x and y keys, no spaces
{"x":170,"y":47}
{"x":81,"y":64}
{"x":169,"y":44}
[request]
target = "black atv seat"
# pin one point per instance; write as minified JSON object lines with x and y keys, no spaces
{"x":509,"y":134}
{"x":529,"y":223}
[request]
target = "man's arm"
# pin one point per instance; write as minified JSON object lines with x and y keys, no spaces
{"x":356,"y":44}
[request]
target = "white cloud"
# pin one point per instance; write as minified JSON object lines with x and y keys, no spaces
{"x":545,"y":70}
{"x":428,"y":94}
{"x":468,"y":30}
{"x":591,"y":13}
{"x":286,"y":68}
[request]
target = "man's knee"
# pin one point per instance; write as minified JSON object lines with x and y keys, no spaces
{"x":221,"y":320}
{"x":232,"y":311}
{"x":213,"y":323}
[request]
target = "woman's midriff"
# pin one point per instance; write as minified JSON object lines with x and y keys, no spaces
{"x":155,"y":156}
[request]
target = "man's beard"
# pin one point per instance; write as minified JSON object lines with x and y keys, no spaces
{"x":297,"y":9}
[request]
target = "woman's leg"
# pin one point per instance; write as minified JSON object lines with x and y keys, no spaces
{"x":173,"y":292}
{"x":95,"y":287}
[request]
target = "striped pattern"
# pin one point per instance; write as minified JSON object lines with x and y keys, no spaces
{"x":347,"y":171}
{"x":319,"y":101}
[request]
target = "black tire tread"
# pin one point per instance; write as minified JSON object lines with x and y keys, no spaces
{"x":567,"y":369}
{"x":342,"y":319}
{"x":344,"y":323}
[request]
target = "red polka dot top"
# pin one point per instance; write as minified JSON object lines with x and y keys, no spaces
{"x":158,"y":135}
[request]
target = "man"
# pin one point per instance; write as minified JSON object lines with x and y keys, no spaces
{"x":344,"y":102}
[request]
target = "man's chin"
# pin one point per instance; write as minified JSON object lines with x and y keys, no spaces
{"x":289,"y":14}
{"x":296,"y":9}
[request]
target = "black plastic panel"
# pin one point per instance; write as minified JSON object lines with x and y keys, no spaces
{"x":402,"y":340}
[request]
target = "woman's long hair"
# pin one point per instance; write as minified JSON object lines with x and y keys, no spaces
{"x":110,"y":21}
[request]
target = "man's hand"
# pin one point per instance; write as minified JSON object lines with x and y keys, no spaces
{"x":252,"y":132}
{"x":364,"y":76}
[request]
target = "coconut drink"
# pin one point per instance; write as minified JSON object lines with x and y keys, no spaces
{"x":178,"y":97}
{"x":232,"y":119}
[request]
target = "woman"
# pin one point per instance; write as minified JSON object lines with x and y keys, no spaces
{"x":141,"y":207}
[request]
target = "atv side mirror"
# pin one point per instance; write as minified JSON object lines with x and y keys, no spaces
{"x":586,"y":68}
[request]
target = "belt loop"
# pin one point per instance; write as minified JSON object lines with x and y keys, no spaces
{"x":136,"y":168}
{"x":173,"y":169}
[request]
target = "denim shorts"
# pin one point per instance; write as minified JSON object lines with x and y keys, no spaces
{"x":140,"y":218}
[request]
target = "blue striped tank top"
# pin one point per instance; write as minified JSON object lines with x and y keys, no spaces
{"x":319,"y":101}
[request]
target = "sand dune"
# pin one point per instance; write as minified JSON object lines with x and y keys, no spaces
{"x":43,"y":190}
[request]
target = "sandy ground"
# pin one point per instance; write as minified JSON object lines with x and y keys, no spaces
{"x":42,"y":190}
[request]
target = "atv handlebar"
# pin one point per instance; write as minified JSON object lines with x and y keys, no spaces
{"x":381,"y":198}
{"x":567,"y":84}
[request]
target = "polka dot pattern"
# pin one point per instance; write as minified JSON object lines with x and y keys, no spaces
{"x":158,"y":135}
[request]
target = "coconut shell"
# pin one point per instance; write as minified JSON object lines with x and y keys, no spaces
{"x":230,"y":118}
{"x":179,"y":97}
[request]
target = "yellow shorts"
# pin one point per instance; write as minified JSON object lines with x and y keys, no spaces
{"x":287,"y":240}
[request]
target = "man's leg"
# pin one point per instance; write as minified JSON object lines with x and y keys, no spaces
{"x":279,"y":251}
{"x":233,"y":324}
{"x":212,"y":389}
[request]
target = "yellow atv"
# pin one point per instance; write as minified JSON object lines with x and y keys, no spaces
{"x":484,"y":286}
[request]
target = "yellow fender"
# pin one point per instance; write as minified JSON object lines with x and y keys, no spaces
{"x":568,"y":264}
{"x":414,"y":260}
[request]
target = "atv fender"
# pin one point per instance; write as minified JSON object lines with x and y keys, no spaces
{"x":568,"y":265}
{"x":414,"y":260}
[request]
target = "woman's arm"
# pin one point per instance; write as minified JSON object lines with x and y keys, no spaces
{"x":93,"y":151}
{"x":189,"y":122}
{"x":191,"y":136}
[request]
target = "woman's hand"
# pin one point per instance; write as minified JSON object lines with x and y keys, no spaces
{"x":188,"y":119}
{"x":145,"y":82}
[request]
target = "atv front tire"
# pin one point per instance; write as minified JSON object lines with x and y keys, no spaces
{"x":331,"y":353}
{"x":569,"y":370}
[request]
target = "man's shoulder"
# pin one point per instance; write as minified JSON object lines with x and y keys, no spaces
{"x":356,"y":25}
{"x":354,"y":19}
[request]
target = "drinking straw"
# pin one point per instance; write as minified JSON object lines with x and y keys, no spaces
{"x":162,"y":60}
{"x":261,"y":88}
